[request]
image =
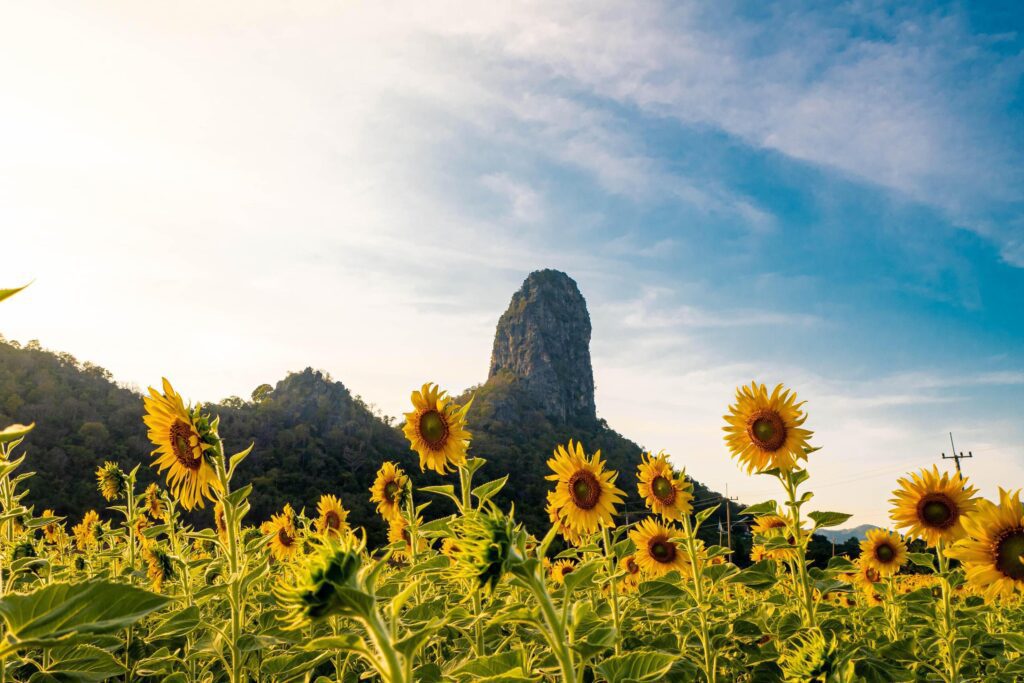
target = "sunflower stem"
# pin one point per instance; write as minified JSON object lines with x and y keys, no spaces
{"x":697,"y":568}
{"x":948,"y":620}
{"x":609,"y":553}
{"x":801,"y":545}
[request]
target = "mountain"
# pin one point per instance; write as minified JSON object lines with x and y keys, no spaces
{"x":840,"y":535}
{"x":313,"y":436}
{"x":540,"y":393}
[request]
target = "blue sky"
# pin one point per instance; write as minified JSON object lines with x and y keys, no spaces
{"x":828,"y":195}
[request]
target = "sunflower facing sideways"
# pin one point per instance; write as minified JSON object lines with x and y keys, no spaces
{"x":86,"y":532}
{"x":656,"y":553}
{"x":993,"y":549}
{"x":866,"y":578}
{"x":436,"y":429}
{"x":631,"y":581}
{"x":665,"y":493}
{"x":111,"y":481}
{"x":284,"y":539}
{"x":389,"y":490}
{"x":185,"y":443}
{"x":331,"y":516}
{"x":883,"y":551}
{"x":154,"y":506}
{"x":585,"y":494}
{"x":561,"y":568}
{"x":932,"y":506}
{"x":765,"y":431}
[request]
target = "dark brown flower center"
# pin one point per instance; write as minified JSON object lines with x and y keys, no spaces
{"x":332,"y":520}
{"x":567,"y":570}
{"x":872,"y":575}
{"x":632,"y":567}
{"x":1009,"y":547}
{"x":391,"y":491}
{"x":937,"y":511}
{"x":433,"y":428}
{"x":585,"y":489}
{"x":284,"y":538}
{"x":180,"y":436}
{"x":662,"y":550}
{"x":663,"y":490}
{"x":885,"y":553}
{"x":766,"y":430}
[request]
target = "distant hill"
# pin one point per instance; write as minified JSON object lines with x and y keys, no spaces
{"x":840,"y":535}
{"x":312,"y":436}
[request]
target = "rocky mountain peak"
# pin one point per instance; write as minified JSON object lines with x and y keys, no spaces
{"x":543,"y":342}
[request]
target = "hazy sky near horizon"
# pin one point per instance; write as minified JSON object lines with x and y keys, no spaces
{"x":827,"y":195}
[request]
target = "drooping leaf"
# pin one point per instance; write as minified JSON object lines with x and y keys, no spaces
{"x":640,"y":665}
{"x":61,"y":611}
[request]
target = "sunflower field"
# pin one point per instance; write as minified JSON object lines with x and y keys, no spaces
{"x":137,"y":594}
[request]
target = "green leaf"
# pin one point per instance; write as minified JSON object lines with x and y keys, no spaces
{"x":345,"y":642}
{"x":660,"y":590}
{"x":760,"y":576}
{"x":641,"y":665}
{"x":15,"y":431}
{"x":702,"y":516}
{"x":489,"y":665}
{"x":827,"y":519}
{"x":445,"y":490}
{"x":922,"y":560}
{"x":488,"y":490}
{"x":176,"y":624}
{"x":61,"y":611}
{"x":80,"y":663}
{"x":768,"y":507}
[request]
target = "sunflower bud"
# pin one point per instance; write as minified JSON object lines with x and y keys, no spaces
{"x":488,"y":545}
{"x":810,"y":657}
{"x":328,"y":585}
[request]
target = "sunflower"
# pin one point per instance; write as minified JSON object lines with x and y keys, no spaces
{"x":436,"y":429}
{"x":140,"y":526}
{"x":656,"y":553}
{"x":51,"y":531}
{"x":994,"y":546}
{"x":773,"y":526}
{"x":185,"y":443}
{"x":111,"y":481}
{"x":389,"y":490}
{"x":932,"y":506}
{"x":758,"y":553}
{"x":220,"y":522}
{"x":765,"y":431}
{"x":332,"y":516}
{"x":154,"y":506}
{"x":665,"y":493}
{"x":561,"y":568}
{"x":585,"y":494}
{"x":159,"y":567}
{"x":631,"y":567}
{"x":449,"y":547}
{"x":883,"y":551}
{"x":866,"y":578}
{"x":554,"y":515}
{"x":86,"y":532}
{"x":284,"y":540}
{"x":398,"y":532}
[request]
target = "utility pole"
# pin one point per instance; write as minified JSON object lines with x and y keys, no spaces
{"x":728,"y":519}
{"x":956,"y":457}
